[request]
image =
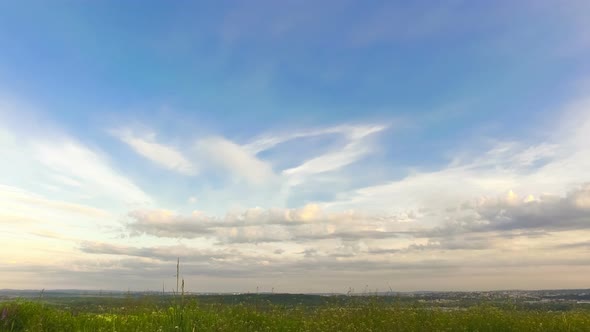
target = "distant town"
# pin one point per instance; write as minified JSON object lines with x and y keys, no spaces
{"x":563,"y":299}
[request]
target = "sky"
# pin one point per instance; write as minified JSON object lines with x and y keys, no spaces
{"x":295,"y":146}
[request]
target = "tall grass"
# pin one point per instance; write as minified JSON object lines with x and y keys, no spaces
{"x":365,"y":316}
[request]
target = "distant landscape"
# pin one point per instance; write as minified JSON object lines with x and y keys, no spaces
{"x":294,"y":165}
{"x":79,"y":310}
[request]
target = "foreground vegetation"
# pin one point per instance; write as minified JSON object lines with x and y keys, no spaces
{"x":366,"y":315}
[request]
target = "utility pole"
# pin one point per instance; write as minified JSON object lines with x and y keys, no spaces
{"x":177,"y":273}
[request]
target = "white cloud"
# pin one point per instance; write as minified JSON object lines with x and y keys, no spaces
{"x":546,"y":213}
{"x":424,"y":222}
{"x":227,"y":160}
{"x":356,"y":148}
{"x":255,"y":225}
{"x":45,"y":158}
{"x":166,"y":223}
{"x":11,"y":197}
{"x":62,"y":179}
{"x":353,"y":132}
{"x":330,"y":161}
{"x":68,"y":158}
{"x":238,"y":161}
{"x":163,"y":155}
{"x":544,"y":167}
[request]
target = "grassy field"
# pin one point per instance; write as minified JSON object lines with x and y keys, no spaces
{"x":145,"y":314}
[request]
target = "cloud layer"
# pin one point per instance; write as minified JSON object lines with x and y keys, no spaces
{"x":508,"y":206}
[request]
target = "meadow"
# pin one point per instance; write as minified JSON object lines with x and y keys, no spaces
{"x":287,"y":313}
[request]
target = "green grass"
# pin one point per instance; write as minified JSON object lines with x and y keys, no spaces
{"x":359,"y":316}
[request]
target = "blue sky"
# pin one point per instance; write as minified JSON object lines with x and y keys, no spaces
{"x":263,"y":141}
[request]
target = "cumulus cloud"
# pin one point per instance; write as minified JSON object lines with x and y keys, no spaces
{"x":511,"y":214}
{"x":309,"y":223}
{"x":546,"y":212}
{"x":166,"y":223}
